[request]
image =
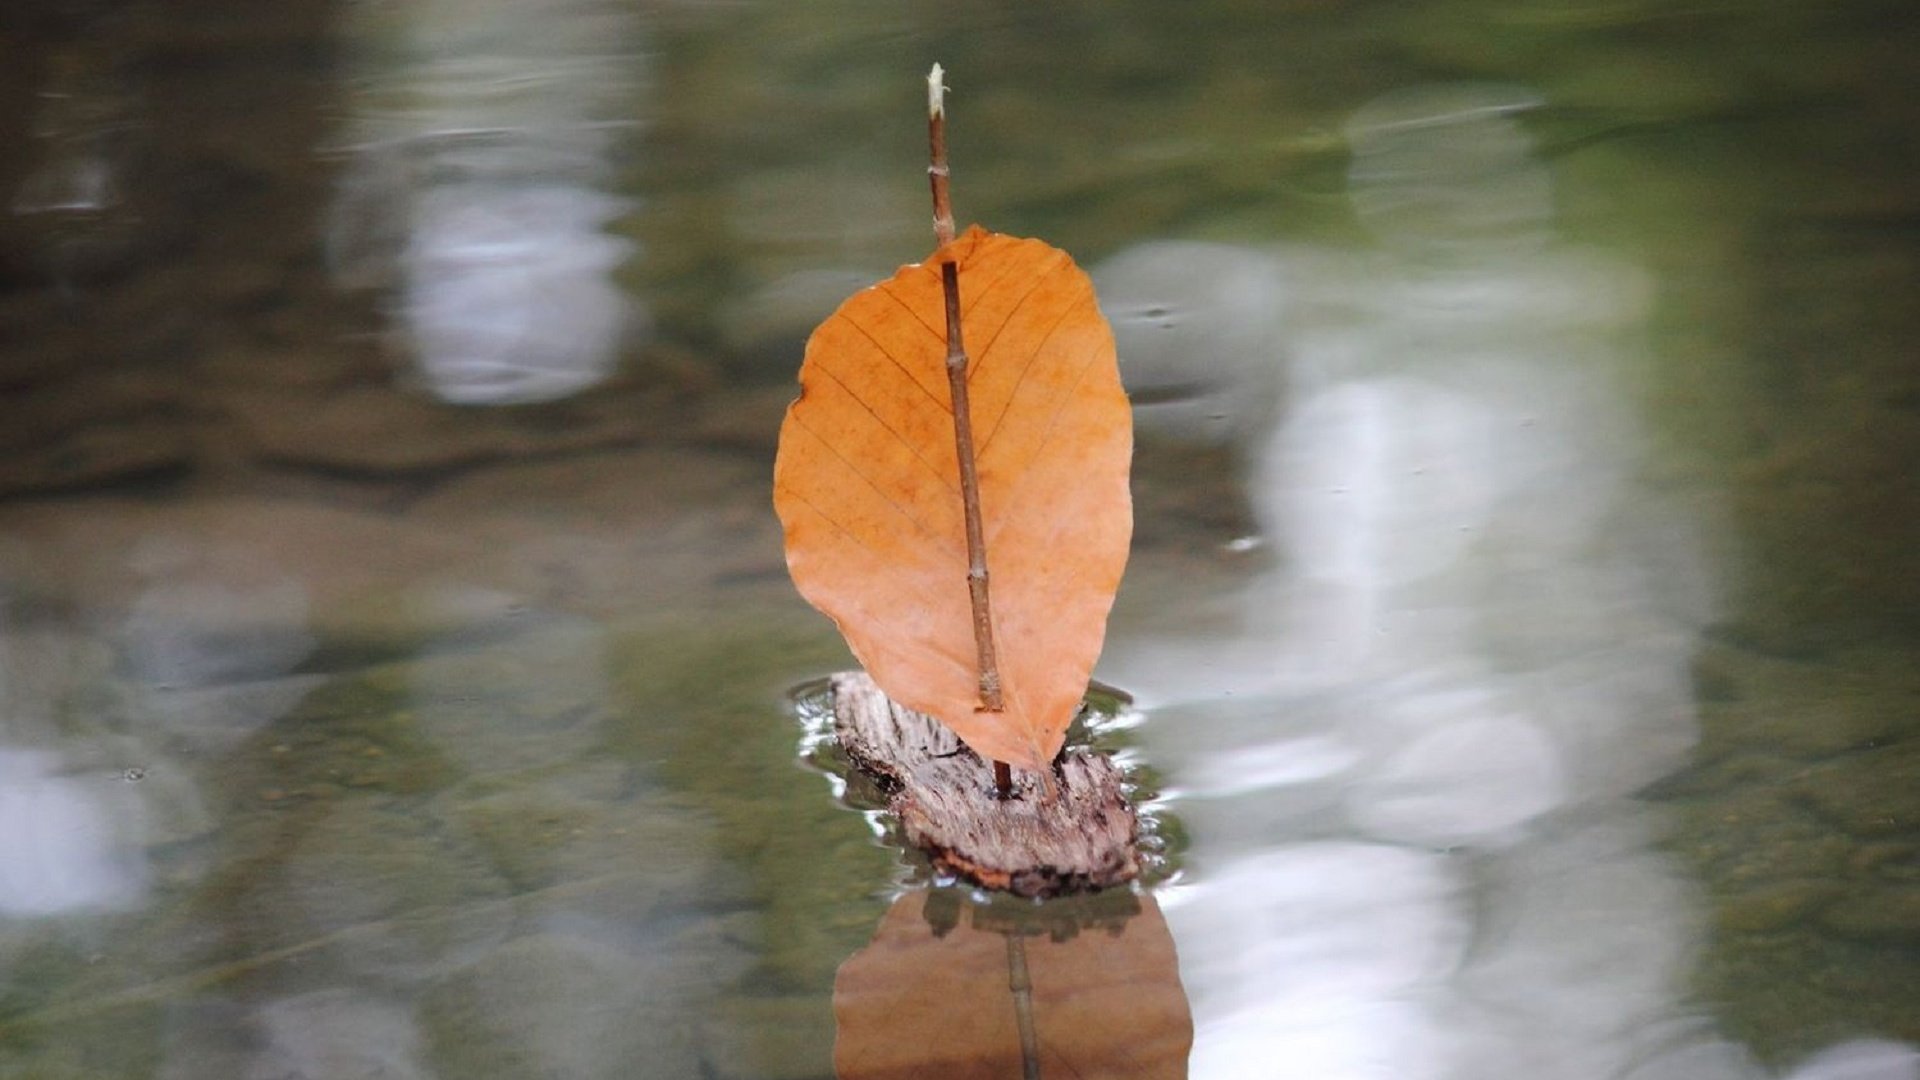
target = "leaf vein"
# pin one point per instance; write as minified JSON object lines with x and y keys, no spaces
{"x":854,"y":396}
{"x":945,"y":407}
{"x":939,"y":334}
{"x":880,"y":557}
{"x":919,"y":525}
{"x":985,"y":351}
{"x":1034,"y":358}
{"x":1053,"y":423}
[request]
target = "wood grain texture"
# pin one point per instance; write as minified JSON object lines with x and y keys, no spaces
{"x":942,"y":794}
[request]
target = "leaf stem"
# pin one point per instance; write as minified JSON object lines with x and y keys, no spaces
{"x":937,"y":174}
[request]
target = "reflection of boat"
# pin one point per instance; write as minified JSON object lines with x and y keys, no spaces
{"x":1081,"y":987}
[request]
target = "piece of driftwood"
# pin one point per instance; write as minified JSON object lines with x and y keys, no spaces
{"x":1081,"y":837}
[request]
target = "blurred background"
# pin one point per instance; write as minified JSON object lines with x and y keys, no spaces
{"x":395,"y":644}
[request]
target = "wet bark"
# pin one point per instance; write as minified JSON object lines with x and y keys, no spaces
{"x":943,"y":795}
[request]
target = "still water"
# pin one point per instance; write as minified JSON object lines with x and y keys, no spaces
{"x":395,"y":646}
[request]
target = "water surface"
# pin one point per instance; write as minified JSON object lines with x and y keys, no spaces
{"x":395,"y":647}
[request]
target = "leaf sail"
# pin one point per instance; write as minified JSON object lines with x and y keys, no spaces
{"x":866,"y":483}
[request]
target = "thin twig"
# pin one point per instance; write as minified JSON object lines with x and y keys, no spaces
{"x":937,"y":156}
{"x":989,"y":667}
{"x":938,"y":178}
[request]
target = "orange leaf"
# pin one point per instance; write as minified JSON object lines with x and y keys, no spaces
{"x":867,"y":487}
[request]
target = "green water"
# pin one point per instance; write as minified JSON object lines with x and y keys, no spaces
{"x":396,"y":648}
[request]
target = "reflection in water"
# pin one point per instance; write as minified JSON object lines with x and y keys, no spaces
{"x":1446,"y":170}
{"x":85,"y":121}
{"x":212,"y":617}
{"x":1172,"y":303}
{"x":63,"y":842}
{"x":478,"y":191}
{"x":1083,"y":987}
{"x":1409,"y":768}
{"x":81,"y":115}
{"x":338,"y":1033}
{"x":201,"y":649}
{"x":320,"y":792}
{"x":500,"y":901}
{"x":1309,"y":961}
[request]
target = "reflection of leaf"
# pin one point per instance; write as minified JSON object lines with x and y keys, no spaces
{"x":867,"y":487}
{"x":1103,"y":1002}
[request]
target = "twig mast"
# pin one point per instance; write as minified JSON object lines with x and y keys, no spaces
{"x":990,"y":700}
{"x":937,"y":173}
{"x":938,"y":176}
